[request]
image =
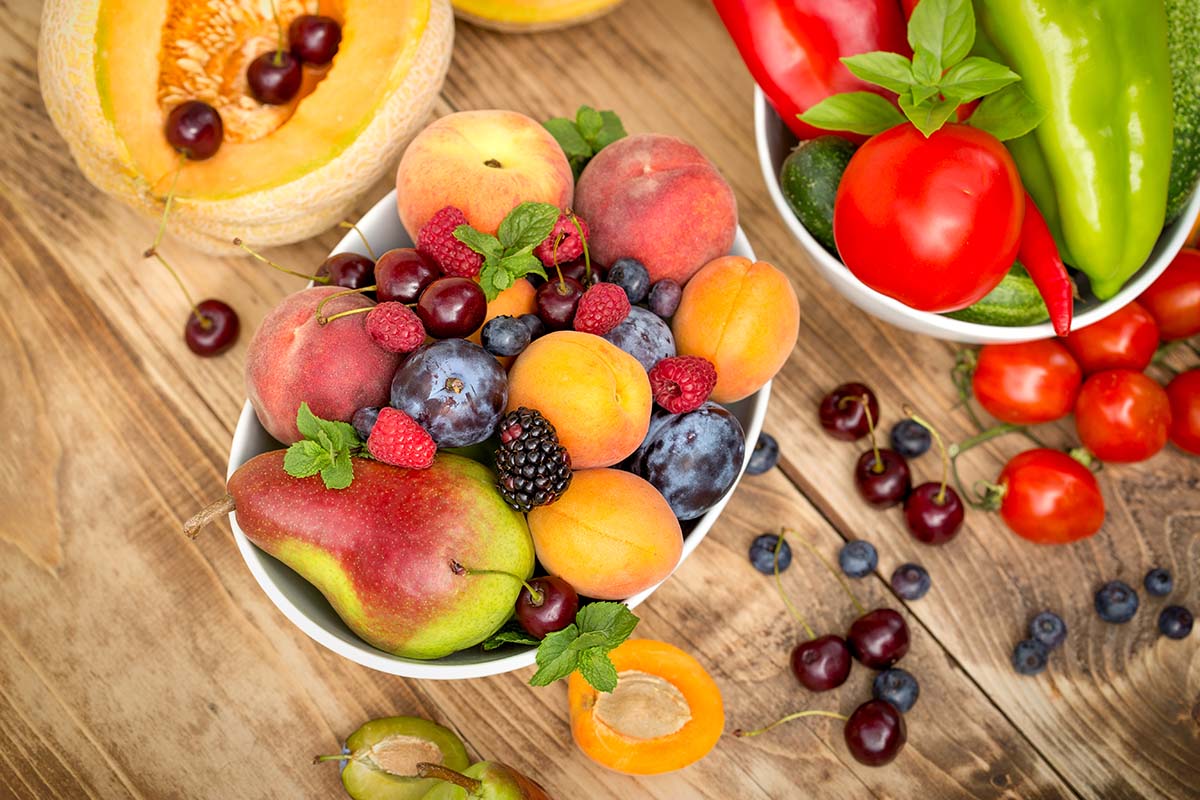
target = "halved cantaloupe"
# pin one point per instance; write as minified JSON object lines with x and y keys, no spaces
{"x":111,"y":71}
{"x":524,"y":16}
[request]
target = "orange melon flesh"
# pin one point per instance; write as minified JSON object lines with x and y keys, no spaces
{"x":367,"y":68}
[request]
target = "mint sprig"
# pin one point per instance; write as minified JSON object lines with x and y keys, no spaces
{"x":326,"y":449}
{"x":511,"y":634}
{"x":584,"y":645}
{"x":589,"y":133}
{"x":508,"y":256}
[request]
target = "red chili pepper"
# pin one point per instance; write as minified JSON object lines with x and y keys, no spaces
{"x":1039,"y":255}
{"x":792,"y":48}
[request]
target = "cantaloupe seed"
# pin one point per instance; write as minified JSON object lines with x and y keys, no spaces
{"x":399,"y":754}
{"x":643,"y":706}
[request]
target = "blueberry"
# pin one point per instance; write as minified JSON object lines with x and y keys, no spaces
{"x":898,"y":687}
{"x":364,"y":421}
{"x":630,"y":275}
{"x":1029,"y":657}
{"x":644,"y":336}
{"x":858,"y":559}
{"x":1175,"y":622}
{"x":911,"y":581}
{"x":910,"y":438}
{"x":765,"y":455}
{"x":762,"y":554}
{"x":664,"y":297}
{"x":505,"y":336}
{"x":1159,"y":582}
{"x":1048,"y":628}
{"x":534,"y":323}
{"x":1116,"y":601}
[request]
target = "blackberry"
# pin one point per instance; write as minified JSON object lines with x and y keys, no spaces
{"x":534,"y":469}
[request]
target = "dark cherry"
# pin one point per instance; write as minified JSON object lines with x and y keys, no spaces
{"x":402,"y":274}
{"x":274,"y":77}
{"x":194,"y":128}
{"x":573,"y":269}
{"x":842,"y":413}
{"x":314,"y":39}
{"x":933,"y":518}
{"x":884,"y":482}
{"x":217,"y":333}
{"x":878,"y":638}
{"x":552,"y":611}
{"x":348,"y":270}
{"x":452,"y":308}
{"x":556,"y":302}
{"x":875,"y":733}
{"x":821,"y":664}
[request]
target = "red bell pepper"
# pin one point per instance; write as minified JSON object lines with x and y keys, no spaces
{"x":1039,"y":255}
{"x":792,"y":48}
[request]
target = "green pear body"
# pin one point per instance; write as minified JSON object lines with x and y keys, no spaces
{"x":500,"y":782}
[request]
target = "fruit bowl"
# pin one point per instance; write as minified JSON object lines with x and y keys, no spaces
{"x":307,"y":608}
{"x":775,"y":141}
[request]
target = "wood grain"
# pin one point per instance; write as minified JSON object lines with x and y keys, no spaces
{"x":134,"y":664}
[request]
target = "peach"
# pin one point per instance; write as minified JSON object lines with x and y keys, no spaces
{"x":484,"y":163}
{"x":596,"y":395}
{"x":659,"y":200}
{"x":336,"y":368}
{"x":611,"y":535}
{"x":741,"y":316}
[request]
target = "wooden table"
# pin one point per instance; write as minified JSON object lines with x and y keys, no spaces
{"x":136,"y":664}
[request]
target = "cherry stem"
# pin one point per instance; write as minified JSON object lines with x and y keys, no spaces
{"x":797,"y":715}
{"x":318,"y":278}
{"x":536,"y":597}
{"x":837,"y":575}
{"x":361,"y":235}
{"x":866,"y":404}
{"x":152,"y":251}
{"x":937,"y":437}
{"x":783,"y":595}
{"x":427,"y":770}
{"x":587,"y":256}
{"x":348,"y":312}
{"x":278,"y":33}
{"x":162,"y":224}
{"x":207,"y":514}
{"x":338,"y":757}
{"x":322,"y":320}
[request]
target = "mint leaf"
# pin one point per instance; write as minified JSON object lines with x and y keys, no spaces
{"x":568,"y":138}
{"x":975,"y":77}
{"x":485,"y":244}
{"x":326,"y":449}
{"x":340,"y":473}
{"x":522,"y":263}
{"x":341,"y":434}
{"x":1008,"y":114}
{"x":306,"y":422}
{"x":509,"y":636}
{"x":859,"y":112}
{"x":590,"y":123}
{"x":299,"y":462}
{"x":554,"y":657}
{"x":597,"y":669}
{"x":928,"y":117}
{"x":614,"y":620}
{"x":940,"y":33}
{"x":610,"y":131}
{"x":584,"y":645}
{"x":889,"y":70}
{"x":527,"y":225}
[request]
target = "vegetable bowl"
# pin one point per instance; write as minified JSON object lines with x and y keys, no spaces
{"x":308,"y":609}
{"x":775,"y":141}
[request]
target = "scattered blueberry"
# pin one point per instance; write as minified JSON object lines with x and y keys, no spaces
{"x":1175,"y":622}
{"x":762,"y":554}
{"x":1116,"y":601}
{"x":898,"y":687}
{"x":911,"y":581}
{"x":664,"y":297}
{"x":505,"y":336}
{"x":1159,"y":582}
{"x":534,"y":323}
{"x":765,"y":455}
{"x":630,"y":275}
{"x":910,"y":438}
{"x":364,"y":421}
{"x":1048,"y":628}
{"x":858,"y":559}
{"x":1029,"y":657}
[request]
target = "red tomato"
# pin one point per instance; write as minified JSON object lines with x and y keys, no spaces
{"x":1026,"y":383}
{"x":1174,"y":299}
{"x":934,"y":223}
{"x":1184,"y":394}
{"x":1124,"y":340}
{"x":1050,"y":498}
{"x":1122,"y":416}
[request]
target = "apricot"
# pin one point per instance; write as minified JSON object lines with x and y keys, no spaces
{"x":611,"y":534}
{"x":743,"y":317}
{"x":665,"y":713}
{"x":659,"y":200}
{"x":596,"y":395}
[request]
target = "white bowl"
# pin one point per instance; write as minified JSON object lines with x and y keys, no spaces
{"x":308,"y":609}
{"x":775,"y":141}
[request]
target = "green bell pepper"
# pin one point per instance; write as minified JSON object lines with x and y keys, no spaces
{"x":1099,"y":164}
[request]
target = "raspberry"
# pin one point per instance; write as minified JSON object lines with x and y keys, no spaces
{"x":436,"y":240}
{"x":682,"y":383}
{"x":398,"y":440}
{"x":395,"y":327}
{"x":570,"y":245}
{"x":602,"y":308}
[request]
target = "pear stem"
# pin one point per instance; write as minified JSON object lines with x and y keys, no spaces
{"x":207,"y":514}
{"x":427,"y":770}
{"x":361,"y":235}
{"x":534,"y":594}
{"x":338,"y":757}
{"x":318,"y":278}
{"x":813,"y":713}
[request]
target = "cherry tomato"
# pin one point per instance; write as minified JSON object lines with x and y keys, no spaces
{"x":1124,"y":340}
{"x":1174,"y":299}
{"x":1122,"y":416}
{"x":1027,"y":383}
{"x":1184,"y":394}
{"x":1050,"y":498}
{"x":933,"y":223}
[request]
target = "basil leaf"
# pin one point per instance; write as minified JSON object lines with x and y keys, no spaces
{"x":928,"y":117}
{"x":527,"y":225}
{"x":1008,"y":114}
{"x":975,"y":77}
{"x":889,"y":70}
{"x":940,"y":33}
{"x":859,"y":112}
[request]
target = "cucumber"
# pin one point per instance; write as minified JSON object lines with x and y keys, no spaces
{"x":1183,"y":45}
{"x":809,"y":179}
{"x":1014,"y":302}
